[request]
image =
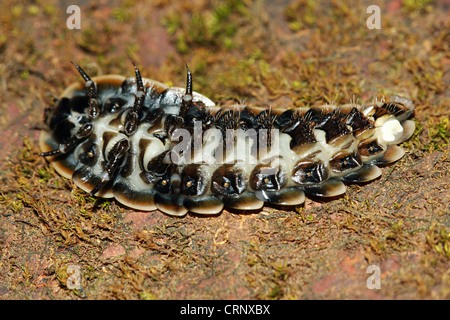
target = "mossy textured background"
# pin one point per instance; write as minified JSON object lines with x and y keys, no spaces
{"x":265,"y":53}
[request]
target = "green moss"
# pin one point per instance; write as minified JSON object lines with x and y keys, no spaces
{"x":416,"y":5}
{"x":438,"y":238}
{"x":275,"y":293}
{"x":16,"y":206}
{"x":45,"y":173}
{"x":301,"y":14}
{"x":16,"y":11}
{"x":25,"y":74}
{"x":121,"y":15}
{"x":431,"y":136}
{"x":209,"y":28}
{"x":145,"y":295}
{"x":439,"y":133}
{"x":33,"y":10}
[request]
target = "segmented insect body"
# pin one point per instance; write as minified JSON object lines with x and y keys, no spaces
{"x":154,"y":147}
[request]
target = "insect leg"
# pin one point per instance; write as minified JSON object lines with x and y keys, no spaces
{"x":91,"y":88}
{"x":82,"y":133}
{"x":115,"y":159}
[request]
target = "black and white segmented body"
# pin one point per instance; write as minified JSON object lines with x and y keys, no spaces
{"x":116,"y":137}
